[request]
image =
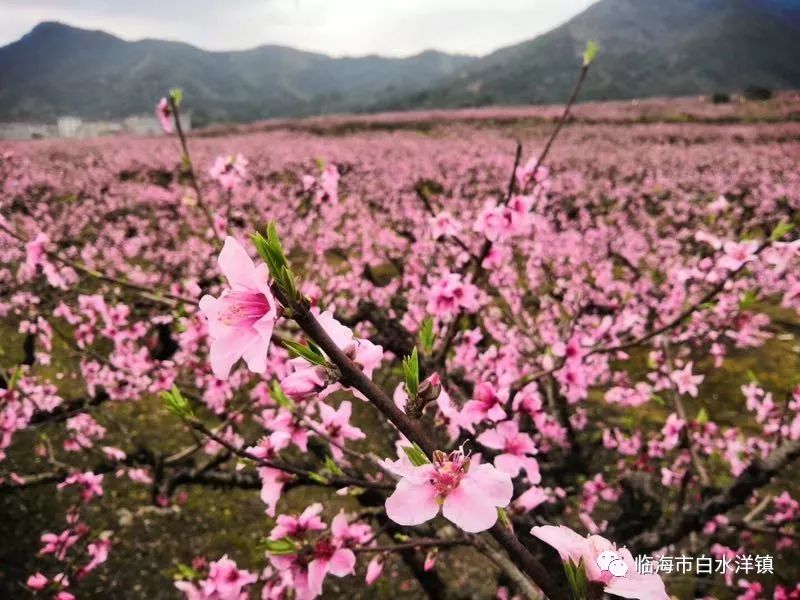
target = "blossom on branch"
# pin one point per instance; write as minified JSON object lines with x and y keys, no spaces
{"x":595,"y":553}
{"x":450,"y":295}
{"x":241,"y":320}
{"x":229,"y":171}
{"x":164,"y":115}
{"x":225,"y":581}
{"x":469,"y":495}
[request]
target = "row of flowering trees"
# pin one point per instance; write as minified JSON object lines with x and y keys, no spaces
{"x":508,"y":319}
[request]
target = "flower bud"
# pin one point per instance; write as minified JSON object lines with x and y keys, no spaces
{"x":430,"y":389}
{"x":305,"y":383}
{"x":374,"y":570}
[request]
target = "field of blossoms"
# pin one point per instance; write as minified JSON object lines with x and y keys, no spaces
{"x":372,"y":361}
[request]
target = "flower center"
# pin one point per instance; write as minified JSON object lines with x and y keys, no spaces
{"x":513,"y":447}
{"x":323,"y":549}
{"x":244,"y":308}
{"x":449,"y":471}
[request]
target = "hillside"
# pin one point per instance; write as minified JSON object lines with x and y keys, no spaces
{"x":648,"y":48}
{"x":664,"y":48}
{"x":56,"y":69}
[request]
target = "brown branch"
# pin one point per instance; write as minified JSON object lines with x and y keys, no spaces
{"x":352,"y":376}
{"x":190,"y":169}
{"x":479,"y":271}
{"x":686,"y":439}
{"x":69,"y":409}
{"x":756,"y":475}
{"x":710,"y":295}
{"x":304,"y":474}
{"x":414,"y":544}
{"x":38,"y":479}
{"x":147,"y":292}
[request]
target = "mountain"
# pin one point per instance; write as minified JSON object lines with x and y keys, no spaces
{"x":647,"y":48}
{"x":56,"y":70}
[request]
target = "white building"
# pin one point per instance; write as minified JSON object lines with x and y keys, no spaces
{"x":68,"y":126}
{"x":75,"y":127}
{"x":26,"y":131}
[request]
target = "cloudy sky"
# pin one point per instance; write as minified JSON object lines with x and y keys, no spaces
{"x":340,"y":27}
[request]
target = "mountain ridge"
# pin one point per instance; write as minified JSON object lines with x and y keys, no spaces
{"x":668,"y":48}
{"x":56,"y":69}
{"x":664,"y":48}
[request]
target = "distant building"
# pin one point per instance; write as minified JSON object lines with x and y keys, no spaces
{"x":68,"y":126}
{"x":27,"y":131}
{"x":75,"y":127}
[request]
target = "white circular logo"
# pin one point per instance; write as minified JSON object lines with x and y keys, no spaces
{"x":606,"y":558}
{"x":618,"y":568}
{"x":611,"y":561}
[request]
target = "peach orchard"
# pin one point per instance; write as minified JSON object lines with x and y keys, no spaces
{"x":526,"y":331}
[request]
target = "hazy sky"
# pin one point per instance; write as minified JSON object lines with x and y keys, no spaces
{"x":393,"y":27}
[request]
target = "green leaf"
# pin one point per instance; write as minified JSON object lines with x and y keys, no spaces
{"x":702,"y":417}
{"x":502,"y":515}
{"x":280,"y":547}
{"x":176,"y":94}
{"x":288,"y":282}
{"x":310,"y":353}
{"x":176,"y":403}
{"x":271,"y":252}
{"x":275,"y":244}
{"x":411,"y":374}
{"x":318,"y":478}
{"x":416,"y":455}
{"x":268,"y":255}
{"x":280,"y":398}
{"x":16,"y":373}
{"x":332,"y":467}
{"x":577,"y":579}
{"x":426,"y":335}
{"x":185,"y":572}
{"x":781,"y":229}
{"x":749,"y":298}
{"x":752,"y":378}
{"x":590,"y":53}
{"x":261,"y":245}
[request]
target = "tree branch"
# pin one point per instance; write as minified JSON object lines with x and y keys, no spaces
{"x":756,"y":475}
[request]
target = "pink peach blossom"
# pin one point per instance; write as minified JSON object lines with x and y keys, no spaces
{"x":374,"y":570}
{"x":304,"y":384}
{"x":517,"y":450}
{"x":336,"y":424}
{"x":451,"y":294}
{"x":37,"y":581}
{"x":229,"y":171}
{"x":241,"y":320}
{"x":572,"y":546}
{"x":469,"y":496}
{"x":685,"y":381}
{"x":487,"y":403}
{"x":297,"y":527}
{"x":164,"y":114}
